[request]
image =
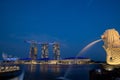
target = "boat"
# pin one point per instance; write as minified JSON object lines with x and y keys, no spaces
{"x":8,"y":72}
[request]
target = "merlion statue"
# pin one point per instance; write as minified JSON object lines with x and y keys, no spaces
{"x":111,"y":45}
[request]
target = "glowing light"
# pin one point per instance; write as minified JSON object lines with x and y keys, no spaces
{"x":111,"y":39}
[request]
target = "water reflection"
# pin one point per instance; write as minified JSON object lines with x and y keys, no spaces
{"x":32,"y":67}
{"x":77,"y":72}
{"x":55,"y":68}
{"x":49,"y":68}
{"x":42,"y":72}
{"x":44,"y":68}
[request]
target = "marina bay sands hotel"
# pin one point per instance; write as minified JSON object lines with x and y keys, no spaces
{"x":45,"y":58}
{"x":44,"y":50}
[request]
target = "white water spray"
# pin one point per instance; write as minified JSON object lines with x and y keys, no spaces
{"x":81,"y":52}
{"x":88,"y":46}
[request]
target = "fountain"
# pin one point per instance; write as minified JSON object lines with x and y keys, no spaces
{"x":79,"y":54}
{"x":88,"y":46}
{"x":111,"y":45}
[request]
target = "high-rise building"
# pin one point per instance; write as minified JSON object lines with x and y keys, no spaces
{"x":56,"y":51}
{"x":33,"y":50}
{"x":44,"y":50}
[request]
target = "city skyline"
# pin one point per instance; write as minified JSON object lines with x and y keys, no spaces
{"x":72,"y":23}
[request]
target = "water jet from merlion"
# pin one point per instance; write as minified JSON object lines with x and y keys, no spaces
{"x":88,"y":46}
{"x":81,"y":52}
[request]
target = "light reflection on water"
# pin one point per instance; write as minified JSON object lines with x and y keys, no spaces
{"x":56,"y":72}
{"x":32,"y":67}
{"x":53,"y":72}
{"x":43,"y":68}
{"x":42,"y":72}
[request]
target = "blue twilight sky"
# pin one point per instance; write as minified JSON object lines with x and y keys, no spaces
{"x":73,"y":23}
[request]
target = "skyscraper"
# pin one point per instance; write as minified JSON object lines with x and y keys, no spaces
{"x":56,"y":51}
{"x":44,"y":50}
{"x":33,"y":50}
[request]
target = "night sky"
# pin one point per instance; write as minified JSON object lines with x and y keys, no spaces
{"x":72,"y":23}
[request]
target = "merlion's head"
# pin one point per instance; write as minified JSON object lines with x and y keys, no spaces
{"x":111,"y":38}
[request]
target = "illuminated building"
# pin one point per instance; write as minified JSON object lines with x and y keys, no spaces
{"x":33,"y":50}
{"x":44,"y":50}
{"x":56,"y":51}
